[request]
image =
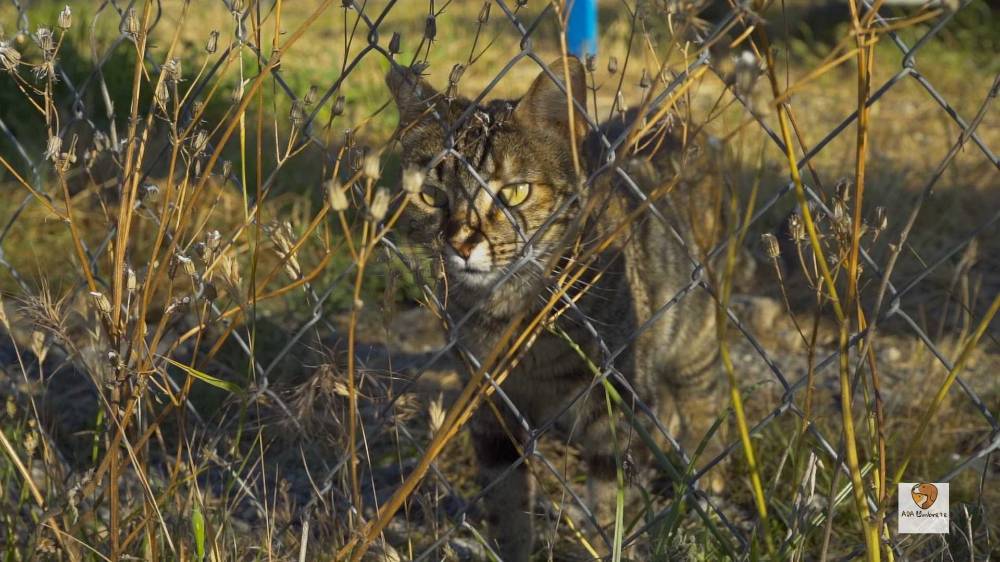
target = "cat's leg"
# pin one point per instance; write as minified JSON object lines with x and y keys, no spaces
{"x":604,"y":448}
{"x":510,"y":501}
{"x":692,"y":404}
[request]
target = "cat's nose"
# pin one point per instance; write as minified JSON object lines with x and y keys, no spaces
{"x":463,"y":247}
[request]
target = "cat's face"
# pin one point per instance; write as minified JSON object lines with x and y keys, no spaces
{"x":496,"y":201}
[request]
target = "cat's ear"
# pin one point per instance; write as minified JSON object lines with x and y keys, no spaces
{"x":412,"y":93}
{"x":545,"y":103}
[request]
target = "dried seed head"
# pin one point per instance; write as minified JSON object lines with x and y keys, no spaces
{"x":201,"y":249}
{"x":65,"y":20}
{"x":297,"y":115}
{"x":413,"y":180}
{"x":148,"y":192}
{"x":484,"y":13}
{"x":796,"y":228}
{"x":230,"y":269}
{"x":838,"y":210}
{"x":843,"y":225}
{"x":881,"y":219}
{"x":200,"y":142}
{"x":282,"y":236}
{"x":406,"y":408}
{"x":53,"y":147}
{"x":227,"y":169}
{"x":131,"y":24}
{"x":238,"y":6}
{"x":39,"y":347}
{"x":46,"y":70}
{"x":630,"y":468}
{"x":349,"y":138}
{"x":101,"y":302}
{"x":197,"y":107}
{"x":435,"y":411}
{"x":48,"y":546}
{"x":187,"y":264}
{"x":770,"y":245}
{"x":644,"y":81}
{"x":45,"y":41}
{"x":456,"y":73}
{"x":213,"y":239}
{"x":394,"y":43}
{"x":172,"y":69}
{"x":430,"y":28}
{"x":612,"y":65}
{"x":591,"y":62}
{"x":372,"y":168}
{"x":338,"y":106}
{"x":30,"y":442}
{"x":213,"y":42}
{"x":237,"y":95}
{"x":64,"y":160}
{"x":131,"y":283}
{"x":380,"y":204}
{"x":453,"y":78}
{"x":844,"y":189}
{"x":9,"y":57}
{"x":310,"y":97}
{"x":335,"y":195}
{"x":620,"y":102}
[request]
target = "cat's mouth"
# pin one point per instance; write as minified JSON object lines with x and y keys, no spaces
{"x":469,"y":272}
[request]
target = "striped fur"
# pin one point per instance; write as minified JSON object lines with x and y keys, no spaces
{"x":669,"y":365}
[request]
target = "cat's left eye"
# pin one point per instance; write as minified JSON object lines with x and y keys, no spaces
{"x":434,"y":197}
{"x":514,"y":194}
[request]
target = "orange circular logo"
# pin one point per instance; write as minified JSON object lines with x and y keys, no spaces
{"x":924,"y":495}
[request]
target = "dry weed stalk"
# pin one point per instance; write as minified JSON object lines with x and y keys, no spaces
{"x":169,"y":280}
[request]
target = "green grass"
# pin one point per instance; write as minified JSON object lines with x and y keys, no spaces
{"x":186,"y":478}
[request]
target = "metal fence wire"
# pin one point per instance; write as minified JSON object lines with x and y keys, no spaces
{"x":375,"y":388}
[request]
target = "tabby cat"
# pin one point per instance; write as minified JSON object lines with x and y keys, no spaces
{"x":504,"y":245}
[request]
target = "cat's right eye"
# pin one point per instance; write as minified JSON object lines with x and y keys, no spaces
{"x":434,"y":197}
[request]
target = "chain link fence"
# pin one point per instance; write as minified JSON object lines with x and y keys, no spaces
{"x":162,"y":155}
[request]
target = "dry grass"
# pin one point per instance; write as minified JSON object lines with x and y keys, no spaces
{"x":233,"y":365}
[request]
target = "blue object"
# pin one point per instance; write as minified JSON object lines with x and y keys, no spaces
{"x":581,"y":29}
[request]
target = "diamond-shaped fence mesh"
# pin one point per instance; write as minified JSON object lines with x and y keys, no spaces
{"x":224,"y":336}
